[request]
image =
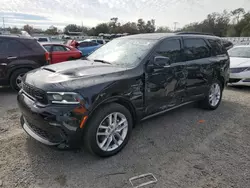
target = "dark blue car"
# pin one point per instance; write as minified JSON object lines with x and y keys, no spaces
{"x":87,"y":47}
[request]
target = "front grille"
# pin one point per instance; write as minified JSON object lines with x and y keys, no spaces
{"x":36,"y":93}
{"x":45,"y":134}
{"x":237,"y":70}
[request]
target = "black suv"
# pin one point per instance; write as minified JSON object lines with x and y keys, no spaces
{"x":97,"y":101}
{"x":18,"y":55}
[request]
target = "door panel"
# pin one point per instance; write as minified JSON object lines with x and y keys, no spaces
{"x":166,"y":88}
{"x":197,"y":56}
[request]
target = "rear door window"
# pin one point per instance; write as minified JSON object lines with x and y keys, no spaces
{"x":58,"y":48}
{"x":12,"y":46}
{"x":47,"y":47}
{"x":195,"y":48}
{"x":171,"y":49}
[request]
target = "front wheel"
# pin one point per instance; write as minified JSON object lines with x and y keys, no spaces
{"x":16,"y":78}
{"x":213,"y":97}
{"x":108,"y":130}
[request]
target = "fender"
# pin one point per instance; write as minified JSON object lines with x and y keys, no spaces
{"x":17,"y":64}
{"x":120,"y":100}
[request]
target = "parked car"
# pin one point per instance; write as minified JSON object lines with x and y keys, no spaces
{"x":240,"y":65}
{"x":99,"y":41}
{"x":60,"y":52}
{"x":18,"y":55}
{"x":87,"y":47}
{"x":43,"y":39}
{"x":97,"y":101}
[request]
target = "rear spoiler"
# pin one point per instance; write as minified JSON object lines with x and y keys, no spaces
{"x":227,"y":44}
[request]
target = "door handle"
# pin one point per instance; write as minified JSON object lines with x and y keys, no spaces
{"x":166,"y":66}
{"x":11,"y":57}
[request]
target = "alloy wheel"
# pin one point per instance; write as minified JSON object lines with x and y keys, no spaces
{"x":214,"y":94}
{"x":112,"y":131}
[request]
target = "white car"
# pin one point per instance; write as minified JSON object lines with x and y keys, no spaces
{"x":240,"y":65}
{"x":43,"y":39}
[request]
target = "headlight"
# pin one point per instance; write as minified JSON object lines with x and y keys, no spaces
{"x":64,"y":97}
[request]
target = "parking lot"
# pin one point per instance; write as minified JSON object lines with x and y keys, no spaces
{"x":187,"y":147}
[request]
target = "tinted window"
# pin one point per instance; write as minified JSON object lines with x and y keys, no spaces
{"x":170,"y":49}
{"x":84,"y":44}
{"x":217,"y":48}
{"x":58,"y":48}
{"x":42,"y":40}
{"x":195,"y":49}
{"x":12,"y":46}
{"x":100,"y":41}
{"x":47,"y":47}
{"x":93,"y":44}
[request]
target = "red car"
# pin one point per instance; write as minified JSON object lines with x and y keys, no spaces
{"x":60,"y":52}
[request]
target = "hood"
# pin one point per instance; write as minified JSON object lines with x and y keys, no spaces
{"x":236,"y":62}
{"x":72,"y":75}
{"x":82,"y":68}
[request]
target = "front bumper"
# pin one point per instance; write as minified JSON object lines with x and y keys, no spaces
{"x":52,"y":125}
{"x":241,"y":78}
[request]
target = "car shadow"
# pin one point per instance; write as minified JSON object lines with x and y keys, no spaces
{"x":155,"y":145}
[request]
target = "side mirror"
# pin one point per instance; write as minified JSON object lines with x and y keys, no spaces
{"x":161,"y":61}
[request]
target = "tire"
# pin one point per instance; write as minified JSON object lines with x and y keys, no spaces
{"x":15,"y":76}
{"x":71,"y":58}
{"x":93,"y":142}
{"x":208,"y":103}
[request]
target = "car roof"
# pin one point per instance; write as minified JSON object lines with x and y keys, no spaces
{"x":16,"y":36}
{"x":50,"y":43}
{"x":159,"y":36}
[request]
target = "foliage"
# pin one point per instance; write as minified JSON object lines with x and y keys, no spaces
{"x":29,"y":29}
{"x":232,"y":24}
{"x":52,"y":30}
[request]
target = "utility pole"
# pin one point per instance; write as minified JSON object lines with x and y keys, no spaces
{"x":175,"y":24}
{"x":3,"y":24}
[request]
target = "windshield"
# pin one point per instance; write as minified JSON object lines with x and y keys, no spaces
{"x":239,"y":52}
{"x":125,"y":52}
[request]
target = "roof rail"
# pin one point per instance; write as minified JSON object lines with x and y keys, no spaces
{"x":193,"y":33}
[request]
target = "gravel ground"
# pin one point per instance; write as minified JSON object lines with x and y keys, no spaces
{"x":187,"y":147}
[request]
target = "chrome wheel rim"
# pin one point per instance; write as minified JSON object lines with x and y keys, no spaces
{"x":214,"y":94}
{"x":112,"y":131}
{"x":19,"y":80}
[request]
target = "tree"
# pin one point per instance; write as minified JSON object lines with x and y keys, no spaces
{"x":52,"y":30}
{"x":163,"y":30}
{"x":129,"y":27}
{"x":150,"y":26}
{"x":102,"y":28}
{"x":72,"y":28}
{"x":141,"y":25}
{"x":237,"y":13}
{"x":29,"y":29}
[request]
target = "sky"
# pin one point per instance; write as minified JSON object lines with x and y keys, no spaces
{"x":44,"y":13}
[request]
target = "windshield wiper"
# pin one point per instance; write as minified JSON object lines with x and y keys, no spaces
{"x":102,"y":61}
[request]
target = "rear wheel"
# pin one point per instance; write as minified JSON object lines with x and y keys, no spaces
{"x":16,"y":78}
{"x":213,"y":97}
{"x":108,"y":130}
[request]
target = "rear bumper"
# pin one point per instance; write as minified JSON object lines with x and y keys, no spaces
{"x":51,"y":125}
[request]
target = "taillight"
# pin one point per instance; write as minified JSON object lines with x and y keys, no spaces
{"x":47,"y":56}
